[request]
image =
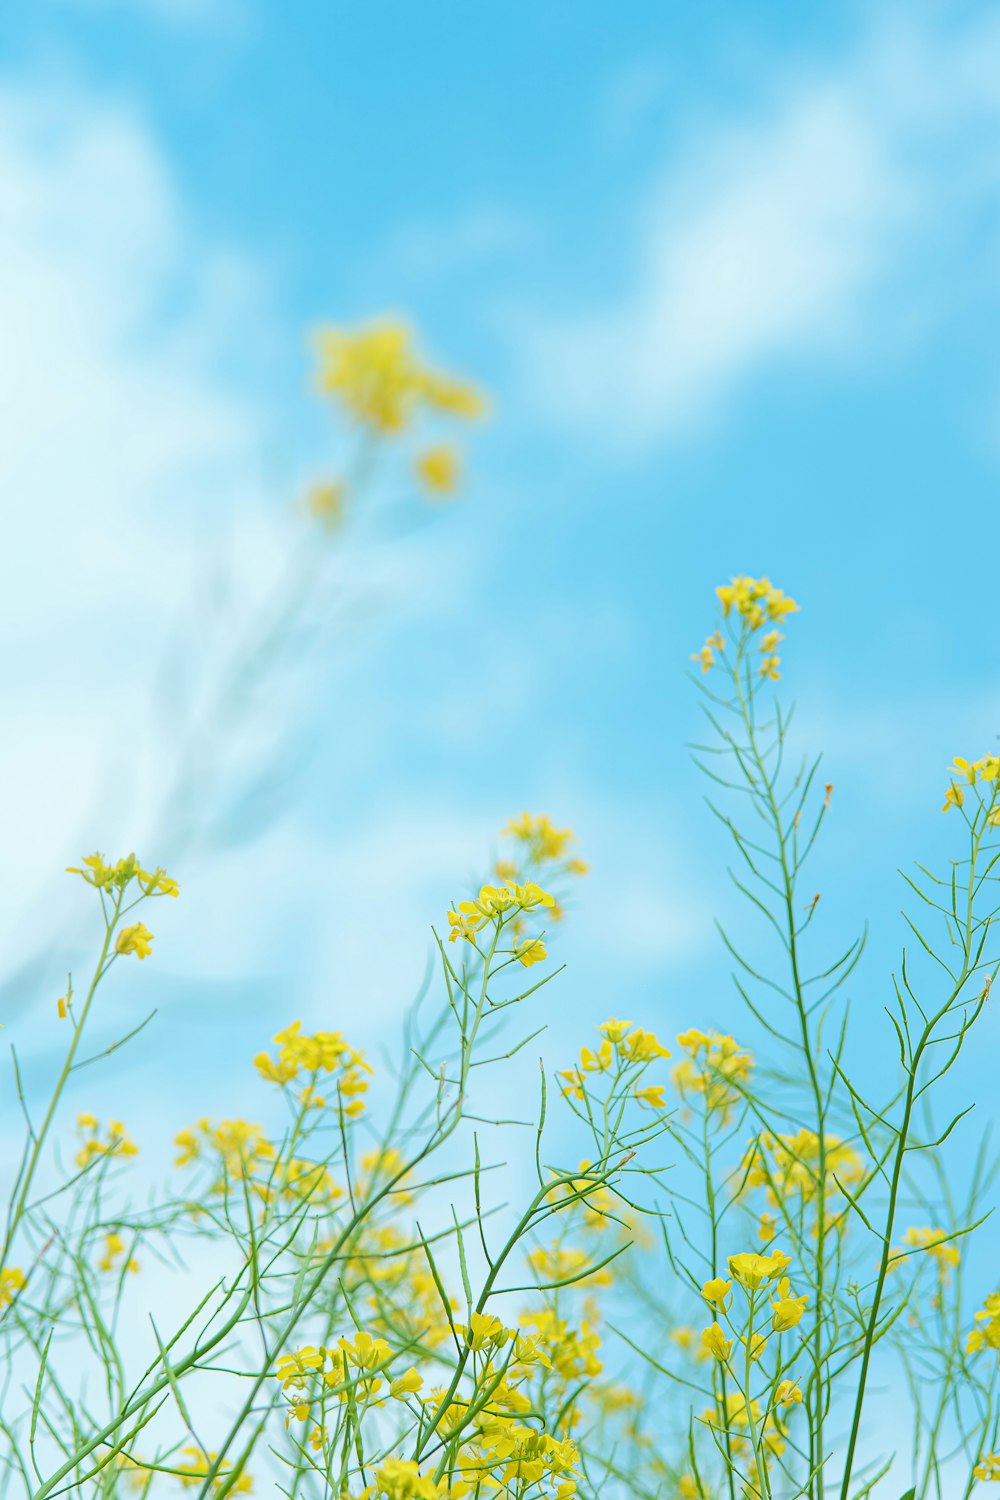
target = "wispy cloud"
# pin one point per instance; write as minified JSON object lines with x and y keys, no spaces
{"x":121,"y":331}
{"x":776,"y":237}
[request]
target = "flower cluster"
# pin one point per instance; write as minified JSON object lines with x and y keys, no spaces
{"x":755,"y":602}
{"x":966,"y":773}
{"x":493,"y":1441}
{"x":377,"y":376}
{"x":789,"y":1166}
{"x":197,"y":1463}
{"x":117,"y":1139}
{"x":498,"y":905}
{"x":986,"y":1334}
{"x":932,"y":1242}
{"x":538,"y":850}
{"x":716,"y":1068}
{"x":114,"y":880}
{"x":114,"y":1254}
{"x":307,"y":1057}
{"x":380,"y":382}
{"x":105,"y":877}
{"x":540,"y":842}
{"x":771,"y":1308}
{"x":240,"y":1149}
{"x":624,"y":1053}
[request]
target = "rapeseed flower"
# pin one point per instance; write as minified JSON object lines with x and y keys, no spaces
{"x":714,"y":1340}
{"x":752,"y":1270}
{"x":135,"y":939}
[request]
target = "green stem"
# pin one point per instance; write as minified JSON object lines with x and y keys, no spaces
{"x":20,"y":1201}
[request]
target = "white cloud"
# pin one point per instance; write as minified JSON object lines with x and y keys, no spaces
{"x":776,"y":237}
{"x":117,"y":415}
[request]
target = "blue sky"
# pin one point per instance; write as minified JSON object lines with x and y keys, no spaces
{"x":732,"y":278}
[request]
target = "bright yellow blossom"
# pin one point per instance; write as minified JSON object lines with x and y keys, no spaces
{"x":530,"y":951}
{"x":485,"y":1331}
{"x":715,"y":1341}
{"x":787,"y":1311}
{"x":953,"y":797}
{"x":405,"y":1385}
{"x":136,"y":939}
{"x":716,"y":1291}
{"x":752,"y":1270}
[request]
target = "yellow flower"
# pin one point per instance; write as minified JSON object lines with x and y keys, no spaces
{"x":240,"y":1147}
{"x":158,"y":883}
{"x":752,"y":1270}
{"x":401,"y":1479}
{"x":405,"y":1385}
{"x":102,"y":875}
{"x":715,"y":1341}
{"x":756,"y":600}
{"x":756,"y":1345}
{"x":643,"y":1046}
{"x":986,"y":1335}
{"x":438,"y":469}
{"x":787,"y":1310}
{"x":485,"y":1331}
{"x":12,"y":1279}
{"x":614,"y":1030}
{"x":375,"y":374}
{"x":492,"y":904}
{"x":789,"y":1164}
{"x":118,"y":1140}
{"x":953,"y":797}
{"x":651,"y":1094}
{"x":766,"y":1229}
{"x":935,"y":1243}
{"x":599,"y":1061}
{"x":787,"y":1394}
{"x":988,"y":1468}
{"x":197,"y":1465}
{"x":136,"y":939}
{"x":717,"y":1068}
{"x":294,"y":1369}
{"x":530,"y":951}
{"x":716,"y":1291}
{"x":576,"y":1083}
{"x":114,"y":1249}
